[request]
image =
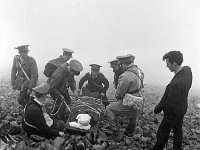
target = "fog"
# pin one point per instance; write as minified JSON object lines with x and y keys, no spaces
{"x":98,"y":31}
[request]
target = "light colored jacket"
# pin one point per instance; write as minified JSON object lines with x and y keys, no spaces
{"x":30,"y":67}
{"x":129,"y":81}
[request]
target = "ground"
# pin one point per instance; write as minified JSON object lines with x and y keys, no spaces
{"x":13,"y":137}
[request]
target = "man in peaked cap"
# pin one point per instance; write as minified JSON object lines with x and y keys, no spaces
{"x":97,"y":83}
{"x":130,"y":81}
{"x":60,"y":80}
{"x":117,"y":69}
{"x":24,"y":74}
{"x":51,"y":66}
{"x":35,"y":121}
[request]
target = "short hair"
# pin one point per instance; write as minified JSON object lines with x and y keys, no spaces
{"x":38,"y":95}
{"x":174,"y":56}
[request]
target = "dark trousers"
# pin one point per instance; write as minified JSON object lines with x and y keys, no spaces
{"x":59,"y":110}
{"x":167,"y":124}
{"x":23,"y":98}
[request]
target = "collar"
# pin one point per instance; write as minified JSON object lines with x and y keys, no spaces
{"x":37,"y":101}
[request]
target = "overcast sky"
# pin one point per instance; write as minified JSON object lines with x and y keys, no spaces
{"x":100,"y":30}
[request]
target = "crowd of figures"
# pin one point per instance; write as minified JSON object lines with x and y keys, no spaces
{"x":128,"y":79}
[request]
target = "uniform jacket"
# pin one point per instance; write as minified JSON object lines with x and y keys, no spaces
{"x":30,"y":67}
{"x":61,"y":79}
{"x":174,"y":100}
{"x":33,"y":115}
{"x":97,"y":84}
{"x":129,"y":81}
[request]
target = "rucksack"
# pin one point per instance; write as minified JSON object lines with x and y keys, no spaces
{"x":49,"y":69}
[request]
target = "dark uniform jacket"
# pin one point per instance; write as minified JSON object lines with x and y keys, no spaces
{"x":18,"y":77}
{"x":174,"y":100}
{"x":97,"y":84}
{"x":33,"y":115}
{"x":60,"y":80}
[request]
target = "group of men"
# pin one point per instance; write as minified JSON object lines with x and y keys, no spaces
{"x":128,"y":78}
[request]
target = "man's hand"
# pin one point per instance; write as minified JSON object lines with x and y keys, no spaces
{"x":102,"y":94}
{"x":75,"y":94}
{"x":13,"y":87}
{"x":78,"y":92}
{"x":61,"y":133}
{"x":29,"y":92}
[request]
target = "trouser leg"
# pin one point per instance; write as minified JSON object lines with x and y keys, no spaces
{"x":23,"y":98}
{"x":131,"y":125}
{"x":163,"y":134}
{"x":112,"y":118}
{"x":178,"y":134}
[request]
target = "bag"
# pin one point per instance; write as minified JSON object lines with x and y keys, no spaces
{"x":132,"y":101}
{"x":49,"y":69}
{"x":18,"y":82}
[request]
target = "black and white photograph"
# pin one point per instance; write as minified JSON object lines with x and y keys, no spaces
{"x":99,"y":74}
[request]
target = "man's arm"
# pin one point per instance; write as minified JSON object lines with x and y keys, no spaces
{"x":106,"y":84}
{"x":34,"y":74}
{"x":54,"y":82}
{"x":83,"y":79}
{"x":13,"y":72}
{"x":40,"y":123}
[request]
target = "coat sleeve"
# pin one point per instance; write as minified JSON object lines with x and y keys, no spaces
{"x":34,"y":74}
{"x":13,"y":72}
{"x":173,"y":99}
{"x":106,"y":83}
{"x":39,"y":121}
{"x":54,"y":82}
{"x":123,"y":85}
{"x":161,"y":105}
{"x":72,"y":83}
{"x":83,"y":79}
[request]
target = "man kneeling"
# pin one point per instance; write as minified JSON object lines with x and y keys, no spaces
{"x":34,"y":120}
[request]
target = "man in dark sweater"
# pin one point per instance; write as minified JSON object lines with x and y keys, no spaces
{"x":97,"y":83}
{"x":174,"y":101}
{"x":35,"y":121}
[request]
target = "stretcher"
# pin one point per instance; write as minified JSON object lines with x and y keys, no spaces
{"x":85,"y":105}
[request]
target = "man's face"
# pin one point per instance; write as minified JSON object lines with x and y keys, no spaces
{"x":171,"y":66}
{"x":23,"y":54}
{"x":94,"y":72}
{"x":67,"y":56}
{"x":115,"y":67}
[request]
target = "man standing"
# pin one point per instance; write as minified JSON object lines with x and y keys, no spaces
{"x":130,"y":81}
{"x":117,"y":69}
{"x":174,"y":101}
{"x":60,"y":80}
{"x":97,"y":83}
{"x":24,"y":74}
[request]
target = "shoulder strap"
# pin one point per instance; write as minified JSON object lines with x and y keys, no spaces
{"x":137,"y":76}
{"x":30,"y":125}
{"x":23,"y":69}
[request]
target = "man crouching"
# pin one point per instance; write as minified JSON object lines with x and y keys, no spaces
{"x":34,"y":120}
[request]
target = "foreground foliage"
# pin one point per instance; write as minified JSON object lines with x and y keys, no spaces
{"x":13,"y":137}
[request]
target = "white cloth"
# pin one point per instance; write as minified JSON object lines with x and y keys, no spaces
{"x":83,"y":122}
{"x":48,"y":119}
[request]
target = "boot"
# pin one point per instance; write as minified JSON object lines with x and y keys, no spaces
{"x":112,"y":120}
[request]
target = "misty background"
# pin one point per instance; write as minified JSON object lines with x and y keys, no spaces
{"x":100,"y":30}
